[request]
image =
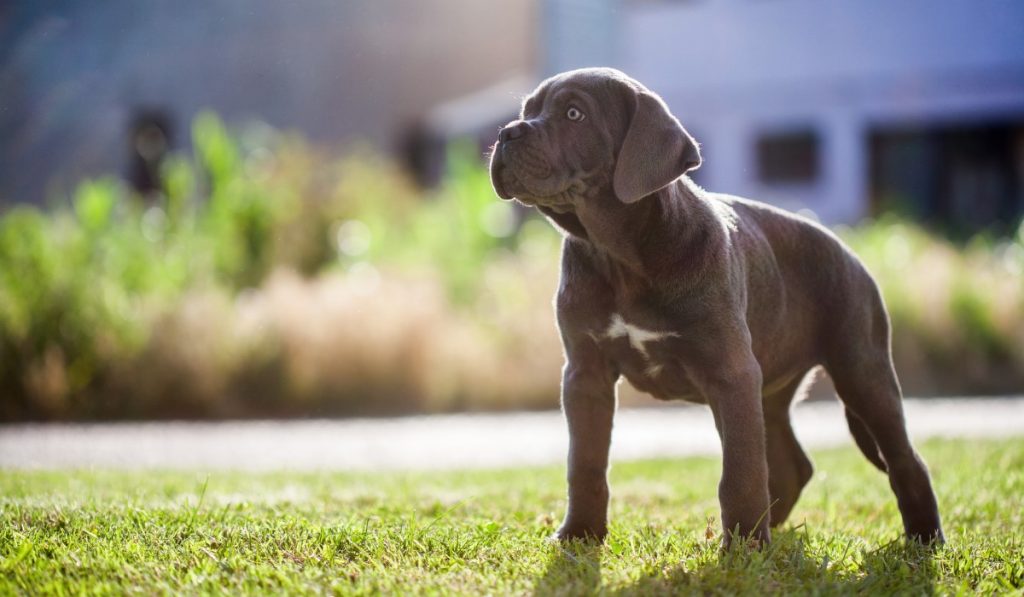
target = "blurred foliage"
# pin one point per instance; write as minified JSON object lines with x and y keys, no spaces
{"x":86,"y":285}
{"x":957,"y":310}
{"x":271,"y":278}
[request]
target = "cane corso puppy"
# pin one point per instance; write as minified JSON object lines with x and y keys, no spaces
{"x":697,"y":296}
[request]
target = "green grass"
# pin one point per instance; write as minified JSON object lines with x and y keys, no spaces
{"x":486,"y":532}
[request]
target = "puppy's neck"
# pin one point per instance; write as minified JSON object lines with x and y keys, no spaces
{"x":647,"y":237}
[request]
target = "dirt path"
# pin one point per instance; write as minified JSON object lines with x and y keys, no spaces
{"x":445,"y":441}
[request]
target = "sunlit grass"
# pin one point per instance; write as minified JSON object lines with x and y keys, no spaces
{"x":486,"y":532}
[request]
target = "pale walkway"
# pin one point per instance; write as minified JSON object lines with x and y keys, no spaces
{"x":445,"y":441}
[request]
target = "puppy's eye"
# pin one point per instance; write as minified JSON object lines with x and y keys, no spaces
{"x":574,"y":114}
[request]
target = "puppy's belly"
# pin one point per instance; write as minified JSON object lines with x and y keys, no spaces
{"x":661,"y":381}
{"x":656,"y":373}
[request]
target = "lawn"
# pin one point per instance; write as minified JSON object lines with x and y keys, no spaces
{"x":486,"y":532}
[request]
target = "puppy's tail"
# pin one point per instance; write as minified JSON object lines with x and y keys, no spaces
{"x":865,"y":441}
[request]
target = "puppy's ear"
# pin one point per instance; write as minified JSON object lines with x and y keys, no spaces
{"x":656,"y":150}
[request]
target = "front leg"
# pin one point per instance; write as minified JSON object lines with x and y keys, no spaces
{"x":588,"y":400}
{"x":734,"y":395}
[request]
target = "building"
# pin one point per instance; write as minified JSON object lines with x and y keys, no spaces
{"x":84,"y":84}
{"x":846,"y":107}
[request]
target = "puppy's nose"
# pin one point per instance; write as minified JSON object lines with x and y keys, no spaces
{"x":512,"y":131}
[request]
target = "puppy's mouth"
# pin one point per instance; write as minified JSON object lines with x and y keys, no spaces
{"x":508,"y":185}
{"x":498,"y":171}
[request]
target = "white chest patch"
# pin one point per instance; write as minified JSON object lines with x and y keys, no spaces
{"x":638,"y":336}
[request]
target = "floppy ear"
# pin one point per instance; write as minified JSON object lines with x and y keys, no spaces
{"x":656,"y":150}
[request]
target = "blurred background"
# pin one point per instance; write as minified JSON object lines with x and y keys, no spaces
{"x":252,"y":209}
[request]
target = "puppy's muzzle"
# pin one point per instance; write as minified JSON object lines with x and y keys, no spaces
{"x":509,"y":138}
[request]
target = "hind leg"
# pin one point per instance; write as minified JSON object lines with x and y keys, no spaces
{"x":789,"y":468}
{"x":862,"y":436}
{"x":867,"y":385}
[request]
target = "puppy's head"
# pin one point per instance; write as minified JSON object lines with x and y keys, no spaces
{"x":588,"y":133}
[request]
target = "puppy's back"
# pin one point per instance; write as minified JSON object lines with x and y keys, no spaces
{"x":807,"y":252}
{"x":827,"y":288}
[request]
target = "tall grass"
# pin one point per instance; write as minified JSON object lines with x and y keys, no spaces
{"x":273,"y":278}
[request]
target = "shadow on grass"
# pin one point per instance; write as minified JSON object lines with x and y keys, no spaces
{"x":573,"y":569}
{"x":789,"y":566}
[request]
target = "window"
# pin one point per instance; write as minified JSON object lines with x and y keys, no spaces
{"x":963,"y":177}
{"x":788,"y":158}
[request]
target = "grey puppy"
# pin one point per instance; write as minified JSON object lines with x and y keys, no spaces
{"x":697,"y":296}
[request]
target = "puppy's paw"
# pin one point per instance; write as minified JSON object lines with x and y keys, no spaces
{"x":576,"y":532}
{"x":758,"y":539}
{"x":932,"y":538}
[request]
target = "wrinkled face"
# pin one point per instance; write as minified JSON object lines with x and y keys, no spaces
{"x":590,"y":133}
{"x":562,"y":148}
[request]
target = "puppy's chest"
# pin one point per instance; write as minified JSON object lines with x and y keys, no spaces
{"x":647,"y":354}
